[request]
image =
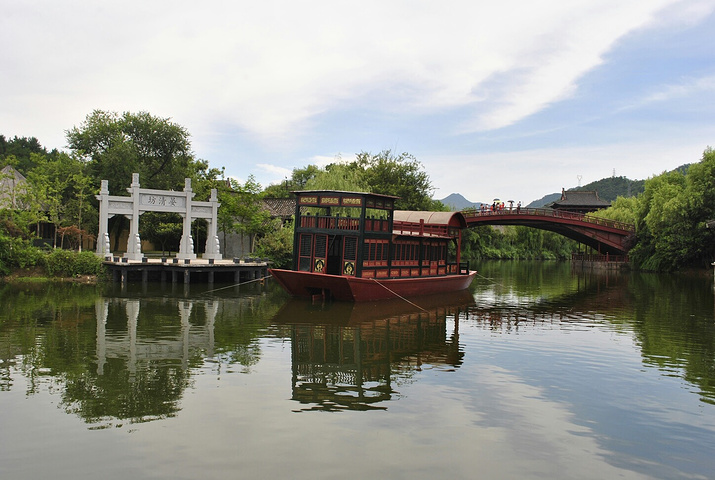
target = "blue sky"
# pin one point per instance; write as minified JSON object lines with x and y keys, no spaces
{"x":506,"y":99}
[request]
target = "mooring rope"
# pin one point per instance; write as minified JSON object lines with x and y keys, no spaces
{"x":398,"y":295}
{"x":491,"y":280}
{"x":236,"y":285}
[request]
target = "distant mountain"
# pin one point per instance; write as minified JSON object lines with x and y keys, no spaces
{"x":457,"y":202}
{"x":545,"y":200}
{"x":608,"y":189}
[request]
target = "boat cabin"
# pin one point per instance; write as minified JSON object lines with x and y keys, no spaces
{"x":361,"y":235}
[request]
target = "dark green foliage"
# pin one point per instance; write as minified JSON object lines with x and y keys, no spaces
{"x":515,"y":242}
{"x":18,"y":152}
{"x":399,"y":175}
{"x":162,"y":229}
{"x":16,"y":252}
{"x":118,"y":145}
{"x":671,"y":218}
{"x":299,"y":178}
{"x":277,"y":245}
{"x":67,"y":263}
{"x":611,"y":188}
{"x":386,"y":173}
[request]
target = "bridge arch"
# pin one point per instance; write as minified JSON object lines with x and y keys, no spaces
{"x":605,"y":236}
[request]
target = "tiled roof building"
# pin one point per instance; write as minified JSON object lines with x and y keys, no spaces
{"x":12,"y":185}
{"x":283,"y":208}
{"x":581,"y":201}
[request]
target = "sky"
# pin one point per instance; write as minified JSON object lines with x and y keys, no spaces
{"x":509,"y":99}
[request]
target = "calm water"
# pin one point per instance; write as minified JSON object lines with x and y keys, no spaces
{"x":537,"y":372}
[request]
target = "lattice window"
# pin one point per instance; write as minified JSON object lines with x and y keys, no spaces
{"x":350,"y":248}
{"x":305,"y":251}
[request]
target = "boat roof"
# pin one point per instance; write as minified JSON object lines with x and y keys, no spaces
{"x":449,"y":219}
{"x":342,"y":192}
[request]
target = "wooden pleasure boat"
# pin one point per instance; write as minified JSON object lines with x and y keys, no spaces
{"x":354,"y":246}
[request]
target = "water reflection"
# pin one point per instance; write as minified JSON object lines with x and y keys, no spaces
{"x":670,"y":317}
{"x":172,"y":347}
{"x":351,"y":356}
{"x":131,"y":355}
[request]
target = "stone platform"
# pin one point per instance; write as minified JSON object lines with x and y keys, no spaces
{"x":175,"y":270}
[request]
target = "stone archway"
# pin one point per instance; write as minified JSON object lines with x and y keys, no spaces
{"x":148,"y":200}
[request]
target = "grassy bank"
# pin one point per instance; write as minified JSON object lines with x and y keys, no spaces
{"x":20,"y":260}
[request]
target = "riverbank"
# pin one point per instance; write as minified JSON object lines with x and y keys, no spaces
{"x":39,"y":275}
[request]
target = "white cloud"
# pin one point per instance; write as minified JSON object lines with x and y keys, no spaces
{"x":269,"y":68}
{"x":267,"y":74}
{"x":274,"y":170}
{"x":687,"y":88}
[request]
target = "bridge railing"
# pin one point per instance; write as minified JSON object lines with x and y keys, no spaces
{"x":600,"y":258}
{"x":550,"y":212}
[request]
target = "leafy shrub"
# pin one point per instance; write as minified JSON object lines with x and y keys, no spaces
{"x":277,"y":245}
{"x":17,"y":253}
{"x":5,"y":250}
{"x":67,"y":263}
{"x":25,"y":255}
{"x":88,"y":263}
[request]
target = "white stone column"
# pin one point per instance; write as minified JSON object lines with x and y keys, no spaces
{"x":186,"y":246}
{"x":134,"y":244}
{"x":213,"y":247}
{"x":103,"y":246}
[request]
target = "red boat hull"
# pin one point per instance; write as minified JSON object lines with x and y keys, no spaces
{"x":353,"y":289}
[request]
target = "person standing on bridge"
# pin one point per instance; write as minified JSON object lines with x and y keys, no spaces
{"x":518,"y":207}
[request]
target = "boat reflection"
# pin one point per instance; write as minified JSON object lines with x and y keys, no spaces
{"x":350,"y":356}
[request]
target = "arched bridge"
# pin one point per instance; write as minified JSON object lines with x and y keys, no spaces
{"x":605,"y":236}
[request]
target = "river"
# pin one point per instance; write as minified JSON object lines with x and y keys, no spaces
{"x":536,"y":372}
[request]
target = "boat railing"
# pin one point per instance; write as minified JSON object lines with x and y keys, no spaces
{"x":420,"y":228}
{"x":337,"y":222}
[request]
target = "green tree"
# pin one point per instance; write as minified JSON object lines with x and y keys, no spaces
{"x":400,"y":175}
{"x":622,"y":209}
{"x":277,"y":244}
{"x":339,"y":176}
{"x":672,"y":218}
{"x":59,"y":189}
{"x":298,"y":181}
{"x":18,"y":152}
{"x":161,"y":228}
{"x":115,"y":146}
{"x":385,"y":173}
{"x":244,"y":213}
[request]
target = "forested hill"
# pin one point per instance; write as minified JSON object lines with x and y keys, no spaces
{"x":611,"y":188}
{"x":608,"y":189}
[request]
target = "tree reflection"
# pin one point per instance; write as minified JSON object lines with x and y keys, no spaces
{"x":122,"y":359}
{"x":670,"y":316}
